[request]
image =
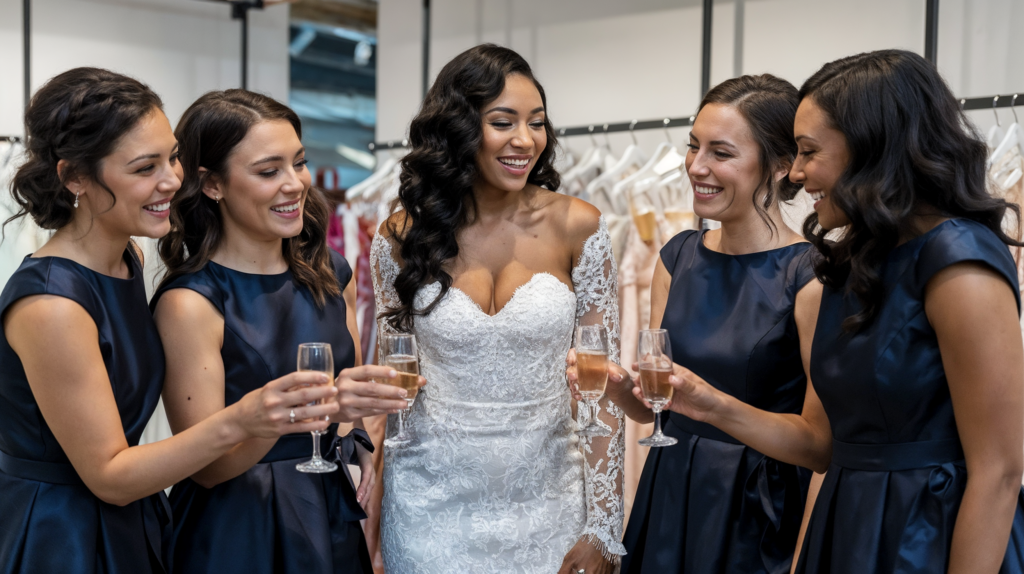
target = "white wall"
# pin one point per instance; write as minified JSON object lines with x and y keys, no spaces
{"x":617,"y":60}
{"x":181,"y":48}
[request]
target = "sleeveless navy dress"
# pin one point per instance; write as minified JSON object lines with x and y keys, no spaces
{"x":710,"y":504}
{"x":272,"y":519}
{"x":49,"y":520}
{"x":890,"y":499}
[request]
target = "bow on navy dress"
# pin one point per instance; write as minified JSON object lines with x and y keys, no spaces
{"x":890,"y":499}
{"x":272,"y":519}
{"x":710,"y":504}
{"x":49,"y":520}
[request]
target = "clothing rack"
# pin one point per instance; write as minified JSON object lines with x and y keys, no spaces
{"x":26,"y":32}
{"x":592,"y":129}
{"x":967,"y":104}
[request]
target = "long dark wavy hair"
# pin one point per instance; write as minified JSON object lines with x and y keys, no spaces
{"x":769,"y":104}
{"x":911,"y":147}
{"x":78,"y":116}
{"x":207,"y":134}
{"x":439,"y":172}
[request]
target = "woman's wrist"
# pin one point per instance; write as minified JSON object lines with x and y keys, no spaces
{"x":230,"y":427}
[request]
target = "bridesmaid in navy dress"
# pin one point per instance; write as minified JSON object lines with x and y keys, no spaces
{"x":81,"y":365}
{"x":731,"y":300}
{"x":917,"y":354}
{"x":258,"y":280}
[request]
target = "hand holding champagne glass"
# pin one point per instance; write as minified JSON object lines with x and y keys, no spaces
{"x":592,"y":374}
{"x":316,"y":357}
{"x":655,"y":359}
{"x":400,"y":353}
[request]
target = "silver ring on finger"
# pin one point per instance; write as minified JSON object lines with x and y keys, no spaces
{"x":291,"y":416}
{"x":581,"y":571}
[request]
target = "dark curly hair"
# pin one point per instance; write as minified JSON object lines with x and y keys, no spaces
{"x":207,"y":134}
{"x":910,"y":146}
{"x":439,"y":172}
{"x":78,"y":116}
{"x":769,"y":104}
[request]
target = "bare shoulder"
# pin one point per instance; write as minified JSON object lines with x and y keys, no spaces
{"x":185,"y":307}
{"x":395,"y":226}
{"x":50,"y":318}
{"x":582,"y":219}
{"x":808,"y":301}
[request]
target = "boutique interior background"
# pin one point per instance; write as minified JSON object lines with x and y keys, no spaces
{"x":181,"y":48}
{"x":617,"y":60}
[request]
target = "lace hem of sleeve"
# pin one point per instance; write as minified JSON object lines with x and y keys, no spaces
{"x":595,"y":282}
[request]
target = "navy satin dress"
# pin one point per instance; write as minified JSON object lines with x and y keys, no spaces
{"x":49,"y":520}
{"x":890,"y":499}
{"x":272,"y":518}
{"x":710,"y":504}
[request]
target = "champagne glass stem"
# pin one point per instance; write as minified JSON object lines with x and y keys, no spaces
{"x":657,"y":420}
{"x":316,"y":445}
{"x":401,"y":423}
{"x":592,"y":411}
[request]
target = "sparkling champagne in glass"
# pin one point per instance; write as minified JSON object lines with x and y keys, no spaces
{"x":592,"y":374}
{"x":400,"y":354}
{"x":317,"y":357}
{"x":655,"y":358}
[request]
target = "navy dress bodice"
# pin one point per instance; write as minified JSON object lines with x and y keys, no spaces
{"x":710,"y":504}
{"x":272,"y":518}
{"x":890,"y":498}
{"x":50,"y":521}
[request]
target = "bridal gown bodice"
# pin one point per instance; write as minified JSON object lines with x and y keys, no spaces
{"x":496,"y":479}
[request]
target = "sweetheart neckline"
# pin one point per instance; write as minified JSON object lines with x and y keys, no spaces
{"x":515,"y":293}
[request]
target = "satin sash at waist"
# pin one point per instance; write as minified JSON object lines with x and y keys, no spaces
{"x":39,"y":471}
{"x":703,"y":430}
{"x":896,"y":456}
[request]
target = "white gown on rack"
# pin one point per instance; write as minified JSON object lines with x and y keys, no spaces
{"x":496,"y":479}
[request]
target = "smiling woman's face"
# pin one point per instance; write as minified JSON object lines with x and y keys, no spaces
{"x":513,"y":135}
{"x":822,"y":157}
{"x":267,"y":183}
{"x":723,"y":162}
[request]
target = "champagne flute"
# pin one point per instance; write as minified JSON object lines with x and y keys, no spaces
{"x":592,"y":374}
{"x":317,"y":357}
{"x":400,"y":354}
{"x":655,"y":358}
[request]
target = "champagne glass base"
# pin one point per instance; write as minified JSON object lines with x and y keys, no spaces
{"x":658,"y":440}
{"x":316,"y":466}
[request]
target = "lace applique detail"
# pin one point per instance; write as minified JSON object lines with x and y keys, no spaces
{"x":385,"y":271}
{"x":496,"y":479}
{"x":597,"y":301}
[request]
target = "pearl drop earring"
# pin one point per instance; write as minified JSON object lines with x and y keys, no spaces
{"x":76,"y":200}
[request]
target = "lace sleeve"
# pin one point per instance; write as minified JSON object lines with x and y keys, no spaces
{"x":385,"y":270}
{"x":594,"y":280}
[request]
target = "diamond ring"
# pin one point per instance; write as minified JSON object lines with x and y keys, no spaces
{"x":291,"y":416}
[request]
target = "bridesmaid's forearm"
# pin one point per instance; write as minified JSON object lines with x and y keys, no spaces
{"x":983,"y":522}
{"x":785,"y":437}
{"x":139,"y":471}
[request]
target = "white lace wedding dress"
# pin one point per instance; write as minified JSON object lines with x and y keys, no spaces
{"x":496,"y":480}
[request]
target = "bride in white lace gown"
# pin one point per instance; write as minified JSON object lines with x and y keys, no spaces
{"x":496,"y":480}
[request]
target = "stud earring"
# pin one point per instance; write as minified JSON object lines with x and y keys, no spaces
{"x":217,"y":199}
{"x":76,"y":200}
